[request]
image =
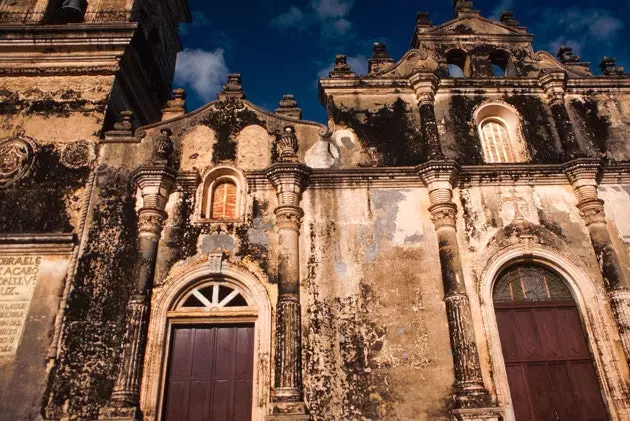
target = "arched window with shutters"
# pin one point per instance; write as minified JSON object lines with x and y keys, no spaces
{"x":499,"y":129}
{"x":222,"y":195}
{"x":495,"y":140}
{"x":224,"y":200}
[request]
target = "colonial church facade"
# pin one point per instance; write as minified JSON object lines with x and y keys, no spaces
{"x":453,"y":244}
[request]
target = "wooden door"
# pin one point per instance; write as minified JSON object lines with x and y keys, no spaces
{"x":210,"y":373}
{"x":548,"y":362}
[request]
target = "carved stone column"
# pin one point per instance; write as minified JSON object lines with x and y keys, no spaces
{"x":583,"y":176}
{"x":155,"y":182}
{"x":554,"y":84}
{"x":289,"y":179}
{"x":425,"y":85}
{"x":472,"y":399}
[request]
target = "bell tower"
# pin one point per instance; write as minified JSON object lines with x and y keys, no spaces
{"x":96,"y":57}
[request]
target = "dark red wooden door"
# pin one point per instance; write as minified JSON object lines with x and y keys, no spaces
{"x":210,"y":373}
{"x":549,"y":367}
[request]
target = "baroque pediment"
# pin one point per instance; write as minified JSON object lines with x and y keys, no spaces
{"x":473,"y":24}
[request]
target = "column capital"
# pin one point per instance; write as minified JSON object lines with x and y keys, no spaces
{"x":288,"y":216}
{"x":290,"y":180}
{"x":554,"y":83}
{"x":439,"y":174}
{"x":424,"y":85}
{"x":155,"y":183}
{"x":443,"y":215}
{"x":151,"y":221}
{"x":583,"y":170}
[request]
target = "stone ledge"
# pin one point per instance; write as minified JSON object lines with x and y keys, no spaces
{"x":53,"y":243}
{"x":478,"y":414}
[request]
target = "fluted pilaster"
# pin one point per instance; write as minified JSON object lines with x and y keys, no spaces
{"x":583,"y":175}
{"x":425,"y":85}
{"x":439,"y":177}
{"x":554,"y":84}
{"x":289,"y":179}
{"x":155,"y":183}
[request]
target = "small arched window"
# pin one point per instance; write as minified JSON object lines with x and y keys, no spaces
{"x":222,"y":195}
{"x":224,"y":200}
{"x":499,"y":129}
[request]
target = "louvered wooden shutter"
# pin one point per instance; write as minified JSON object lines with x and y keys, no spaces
{"x":224,"y":201}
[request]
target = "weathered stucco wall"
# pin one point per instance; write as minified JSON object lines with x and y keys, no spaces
{"x":375,"y":334}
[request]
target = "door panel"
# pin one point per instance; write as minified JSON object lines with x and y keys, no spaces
{"x":550,"y":370}
{"x":210,"y":373}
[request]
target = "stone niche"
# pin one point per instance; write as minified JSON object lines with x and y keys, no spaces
{"x":33,"y":269}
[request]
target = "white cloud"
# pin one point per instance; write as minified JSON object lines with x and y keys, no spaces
{"x":331,"y":8}
{"x":291,"y":18}
{"x":501,"y":7}
{"x":203,"y":71}
{"x":597,"y":23}
{"x":328,"y":15}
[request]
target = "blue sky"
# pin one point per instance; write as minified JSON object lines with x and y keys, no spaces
{"x":285,"y":46}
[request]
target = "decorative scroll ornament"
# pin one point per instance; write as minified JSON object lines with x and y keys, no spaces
{"x":16,"y":159}
{"x":77,"y":154}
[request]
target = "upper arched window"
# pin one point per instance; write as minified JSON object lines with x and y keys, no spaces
{"x":222,"y":195}
{"x":499,"y":130}
{"x":496,"y":141}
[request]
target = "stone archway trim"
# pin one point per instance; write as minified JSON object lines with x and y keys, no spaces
{"x":592,"y":305}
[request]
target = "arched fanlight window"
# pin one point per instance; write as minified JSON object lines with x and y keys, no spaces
{"x":224,"y":197}
{"x":526,"y":283}
{"x":499,"y":129}
{"x":212,"y":296}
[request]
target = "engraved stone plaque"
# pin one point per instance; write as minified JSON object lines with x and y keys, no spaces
{"x":18,"y":277}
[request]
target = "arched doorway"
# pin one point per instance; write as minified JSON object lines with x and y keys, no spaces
{"x":550,"y":370}
{"x":210,"y":365}
{"x":209,"y":341}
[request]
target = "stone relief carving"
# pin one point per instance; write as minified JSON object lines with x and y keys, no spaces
{"x":77,"y":154}
{"x":16,"y":159}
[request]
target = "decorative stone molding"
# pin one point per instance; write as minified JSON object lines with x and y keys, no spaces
{"x":424,"y":85}
{"x":155,"y":183}
{"x":288,"y":107}
{"x":554,"y":84}
{"x":176,"y":106}
{"x":151,"y":221}
{"x":289,"y":180}
{"x":77,"y":154}
{"x":342,"y":69}
{"x":17,"y":156}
